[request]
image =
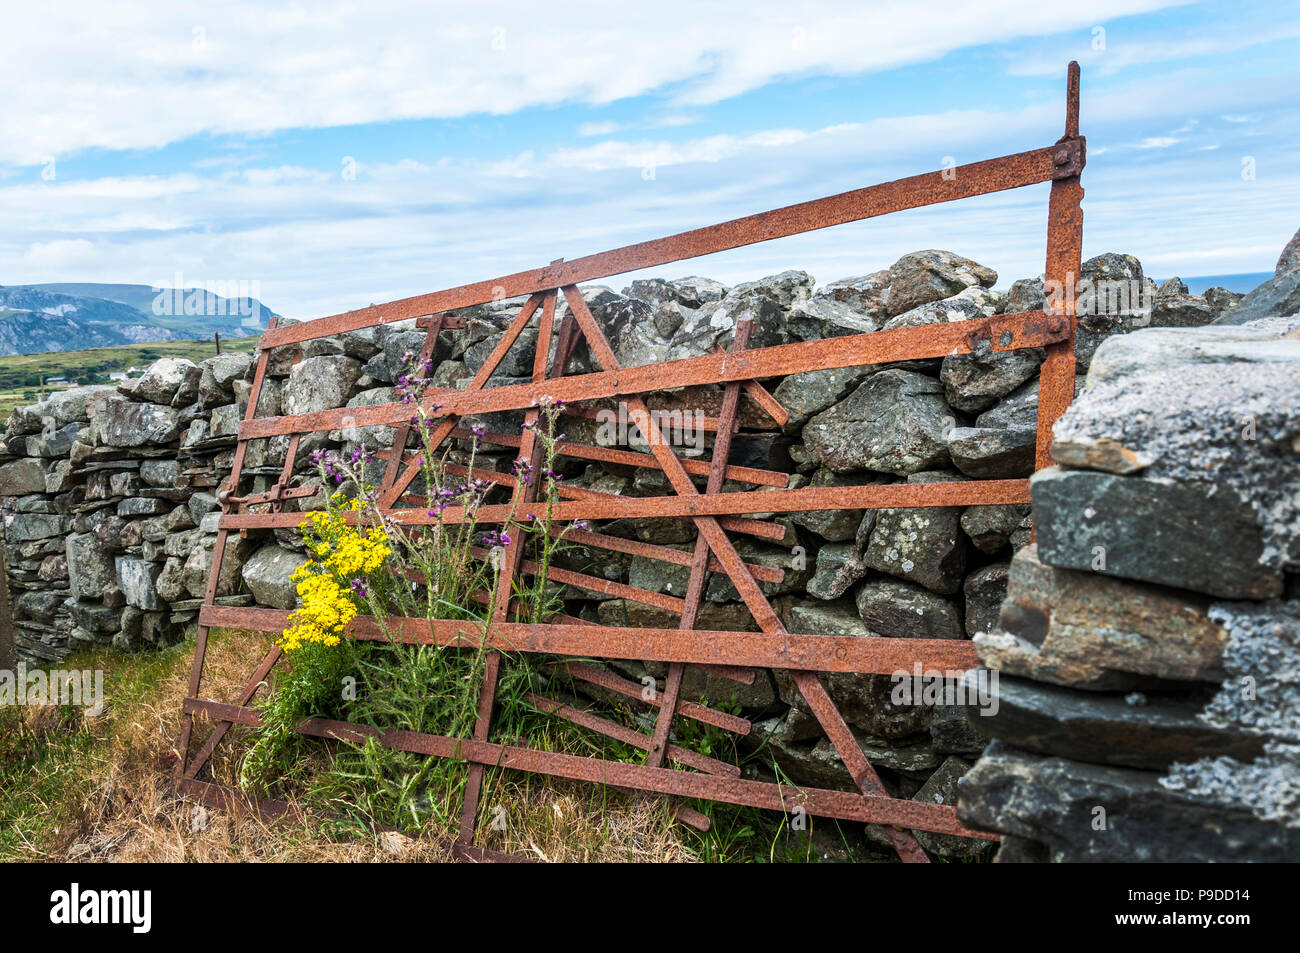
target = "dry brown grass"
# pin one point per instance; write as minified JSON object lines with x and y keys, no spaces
{"x":103,"y":789}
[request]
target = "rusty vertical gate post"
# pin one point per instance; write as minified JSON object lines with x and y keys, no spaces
{"x":1061,"y":275}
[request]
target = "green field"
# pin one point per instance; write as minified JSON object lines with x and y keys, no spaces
{"x":21,"y":375}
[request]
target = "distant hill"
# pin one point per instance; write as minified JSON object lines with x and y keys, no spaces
{"x":76,"y":316}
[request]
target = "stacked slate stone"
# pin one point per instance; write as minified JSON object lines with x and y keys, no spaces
{"x":1149,"y":645}
{"x":108,"y":528}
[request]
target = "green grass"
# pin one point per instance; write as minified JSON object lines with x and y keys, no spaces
{"x":21,"y":374}
{"x":50,"y":758}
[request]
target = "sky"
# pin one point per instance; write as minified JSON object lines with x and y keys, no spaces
{"x":338,"y":154}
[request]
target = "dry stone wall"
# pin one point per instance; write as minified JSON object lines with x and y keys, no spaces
{"x":1148,"y":649}
{"x":110,"y":508}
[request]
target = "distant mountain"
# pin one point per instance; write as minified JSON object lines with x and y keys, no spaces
{"x":71,"y":317}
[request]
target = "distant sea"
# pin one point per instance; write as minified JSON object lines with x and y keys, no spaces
{"x":1240,"y":283}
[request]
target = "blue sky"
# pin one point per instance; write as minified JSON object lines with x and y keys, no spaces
{"x":339,"y":154}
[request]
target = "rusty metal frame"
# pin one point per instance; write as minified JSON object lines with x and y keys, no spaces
{"x":714,"y":513}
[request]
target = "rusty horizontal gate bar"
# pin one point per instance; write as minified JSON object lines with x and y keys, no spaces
{"x":742,"y":372}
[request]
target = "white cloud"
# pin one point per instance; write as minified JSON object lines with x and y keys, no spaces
{"x":86,"y":74}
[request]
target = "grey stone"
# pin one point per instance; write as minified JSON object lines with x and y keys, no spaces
{"x":839,"y":617}
{"x":1198,"y":536}
{"x":136,"y":579}
{"x":1106,"y":728}
{"x":1211,"y":405}
{"x":1173,"y":350}
{"x":170,"y":584}
{"x":1278,"y":296}
{"x":904,"y":611}
{"x":867,"y":703}
{"x":1092,"y":631}
{"x":1262,"y":658}
{"x":990,"y":527}
{"x":1053,"y":801}
{"x":839,"y":566}
{"x":320,"y":383}
{"x":90,"y":568}
{"x":200,"y":504}
{"x":142,"y":506}
{"x":956,"y":729}
{"x":931,"y":275}
{"x":374,"y":437}
{"x":25,"y":527}
{"x":159,"y":384}
{"x":124,"y":423}
{"x":985,"y":589}
{"x":94,"y":616}
{"x":959,"y":308}
{"x":798,"y":745}
{"x":224,"y":421}
{"x":833,"y":525}
{"x":822,"y":316}
{"x":659,"y":576}
{"x":894,"y":422}
{"x":218,"y":374}
{"x":21,"y":477}
{"x":811,"y":392}
{"x":921,"y":544}
{"x":867,"y":295}
{"x":942,"y":788}
{"x":268,"y":575}
{"x":160,"y":473}
{"x":974,"y":382}
{"x":73,"y":405}
{"x":195,"y":570}
{"x":720,"y":588}
{"x":53,"y":443}
{"x":989,"y":454}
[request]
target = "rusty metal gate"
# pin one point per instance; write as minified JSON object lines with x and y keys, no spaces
{"x":716,"y":515}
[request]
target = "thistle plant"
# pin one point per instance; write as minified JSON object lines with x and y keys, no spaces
{"x":363,"y":561}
